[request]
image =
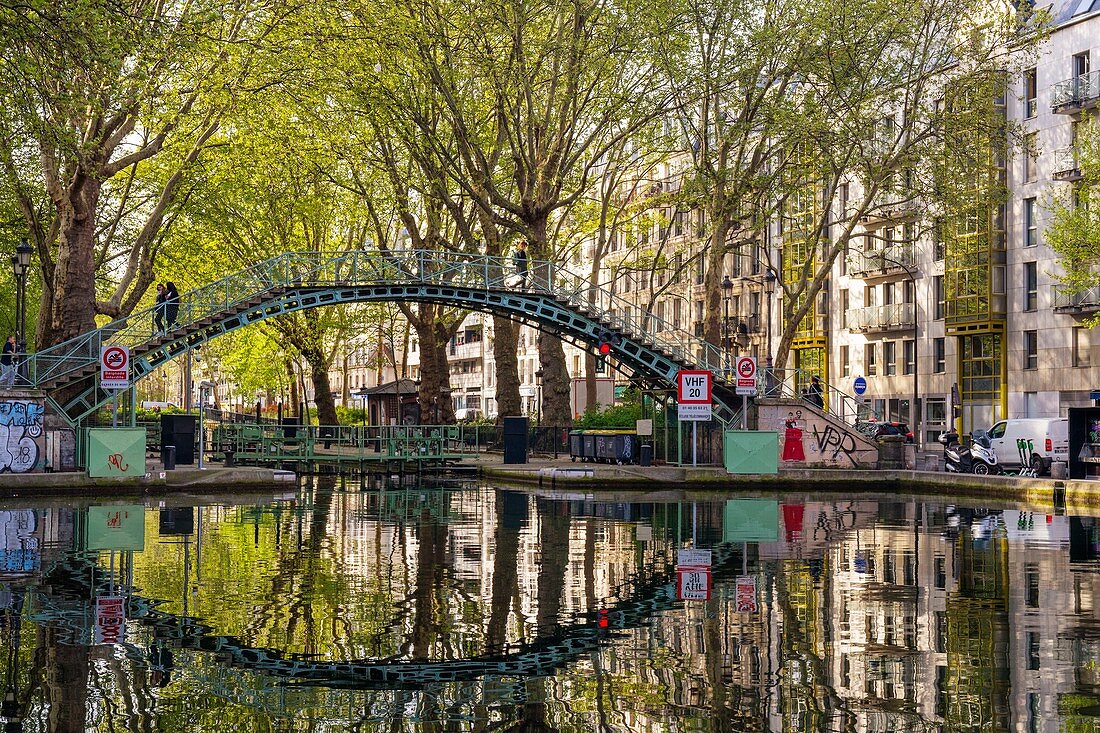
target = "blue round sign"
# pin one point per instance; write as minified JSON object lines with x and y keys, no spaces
{"x":860,"y":385}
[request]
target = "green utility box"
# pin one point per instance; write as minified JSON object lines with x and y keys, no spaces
{"x":750,"y":451}
{"x":116,"y":452}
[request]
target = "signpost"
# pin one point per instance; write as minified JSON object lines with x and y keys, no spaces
{"x":114,"y":373}
{"x":746,"y":383}
{"x":860,"y":386}
{"x":693,"y":401}
{"x":693,"y":575}
{"x":746,"y":594}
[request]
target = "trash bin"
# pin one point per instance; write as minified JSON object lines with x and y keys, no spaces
{"x":230,"y":458}
{"x":168,"y":457}
{"x":576,"y":444}
{"x":645,"y":455}
{"x":614,"y":446}
{"x":515,"y":440}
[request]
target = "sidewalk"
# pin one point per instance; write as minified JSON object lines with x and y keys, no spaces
{"x":563,"y":474}
{"x":155,"y":481}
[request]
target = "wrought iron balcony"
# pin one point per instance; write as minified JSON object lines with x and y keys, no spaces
{"x":1065,"y":166}
{"x":1076,"y":302}
{"x":1076,"y":94}
{"x":880,"y":263}
{"x":891,"y":206}
{"x":893,"y":317}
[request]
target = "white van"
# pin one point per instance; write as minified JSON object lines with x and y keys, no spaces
{"x":1035,"y":442}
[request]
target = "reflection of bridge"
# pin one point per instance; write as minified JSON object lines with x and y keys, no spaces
{"x":556,"y":301}
{"x":648,"y":595}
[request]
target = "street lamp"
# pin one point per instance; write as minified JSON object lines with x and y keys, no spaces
{"x":769,"y":376}
{"x":727,"y":288}
{"x":20,"y":266}
{"x":538,"y":397}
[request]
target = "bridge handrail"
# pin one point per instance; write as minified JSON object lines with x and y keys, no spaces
{"x":775,"y":382}
{"x":428,"y":267}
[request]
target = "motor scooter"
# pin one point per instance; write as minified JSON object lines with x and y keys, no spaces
{"x":978,"y":457}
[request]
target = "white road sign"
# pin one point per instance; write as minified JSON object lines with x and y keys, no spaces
{"x":114,"y":367}
{"x":746,"y":375}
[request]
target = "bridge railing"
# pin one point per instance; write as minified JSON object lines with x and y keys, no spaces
{"x":773,"y":382}
{"x":369,"y":267}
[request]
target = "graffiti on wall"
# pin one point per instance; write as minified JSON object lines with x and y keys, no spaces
{"x":20,"y":434}
{"x":809,"y":439}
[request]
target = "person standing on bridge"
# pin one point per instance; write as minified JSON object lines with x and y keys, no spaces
{"x":7,"y":364}
{"x":814,"y":394}
{"x":519,"y":259}
{"x":159,"y":309}
{"x":171,"y":304}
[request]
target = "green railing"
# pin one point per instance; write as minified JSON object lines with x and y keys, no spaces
{"x":345,"y":443}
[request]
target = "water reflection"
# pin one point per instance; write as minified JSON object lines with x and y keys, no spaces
{"x":370,"y":608}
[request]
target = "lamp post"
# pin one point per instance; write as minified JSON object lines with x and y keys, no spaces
{"x":538,"y":398}
{"x":21,"y":265}
{"x":727,"y":288}
{"x":769,"y":375}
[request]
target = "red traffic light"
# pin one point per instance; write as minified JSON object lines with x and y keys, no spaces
{"x":605,"y":348}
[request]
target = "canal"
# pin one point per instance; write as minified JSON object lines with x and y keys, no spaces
{"x":462,"y":607}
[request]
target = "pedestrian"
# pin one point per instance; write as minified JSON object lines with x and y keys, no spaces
{"x":159,"y":309}
{"x":814,"y":394}
{"x":7,"y":364}
{"x":519,"y":259}
{"x":171,"y":304}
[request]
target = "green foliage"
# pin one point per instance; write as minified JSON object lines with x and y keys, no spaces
{"x":1074,"y":232}
{"x":622,"y":415}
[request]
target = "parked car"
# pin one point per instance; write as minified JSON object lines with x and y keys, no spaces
{"x":878,"y":430}
{"x":1034,"y":442}
{"x":463,"y":414}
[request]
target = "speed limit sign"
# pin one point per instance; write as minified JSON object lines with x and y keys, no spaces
{"x":746,"y":375}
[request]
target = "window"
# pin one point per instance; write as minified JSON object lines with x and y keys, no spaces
{"x":1031,"y":227}
{"x":888,"y":293}
{"x":869,"y":360}
{"x":1033,"y":650}
{"x":909,"y":356}
{"x":843,"y":308}
{"x":935,"y":412}
{"x":676,"y":313}
{"x":939,"y":355}
{"x":1031,"y":157}
{"x":999,"y":280}
{"x":939,"y":247}
{"x":1031,"y":94}
{"x":700,"y":270}
{"x":1031,"y":286}
{"x":937,"y":287}
{"x":1031,"y":349}
{"x":845,"y":366}
{"x":1082,"y":346}
{"x":869,"y":298}
{"x":888,"y":360}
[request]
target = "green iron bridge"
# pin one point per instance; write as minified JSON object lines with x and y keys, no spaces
{"x":555,"y":300}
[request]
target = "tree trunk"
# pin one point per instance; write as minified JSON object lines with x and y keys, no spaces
{"x":555,"y":374}
{"x":293,"y":379}
{"x":72,"y":303}
{"x":555,"y":382}
{"x":591,"y":391}
{"x":505,"y":346}
{"x":435,"y":373}
{"x":322,"y":390}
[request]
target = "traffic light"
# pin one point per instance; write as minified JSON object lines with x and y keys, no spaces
{"x":606,"y":340}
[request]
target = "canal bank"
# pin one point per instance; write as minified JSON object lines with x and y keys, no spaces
{"x":561,"y":474}
{"x":156,"y":481}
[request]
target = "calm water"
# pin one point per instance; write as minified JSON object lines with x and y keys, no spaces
{"x":338,"y":607}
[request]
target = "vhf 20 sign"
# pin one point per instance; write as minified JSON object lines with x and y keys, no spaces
{"x":693,"y":394}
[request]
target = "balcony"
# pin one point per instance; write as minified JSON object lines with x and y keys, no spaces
{"x":882,"y":263}
{"x":1084,"y":302}
{"x":1075,"y":95}
{"x":890,"y":206}
{"x":1065,"y":166}
{"x":875,"y":318}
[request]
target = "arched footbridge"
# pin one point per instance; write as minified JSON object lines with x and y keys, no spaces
{"x":554,"y":300}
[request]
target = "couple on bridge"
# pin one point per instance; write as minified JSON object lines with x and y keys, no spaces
{"x":167,"y":307}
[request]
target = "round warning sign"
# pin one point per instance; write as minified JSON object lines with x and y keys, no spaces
{"x":114,"y":367}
